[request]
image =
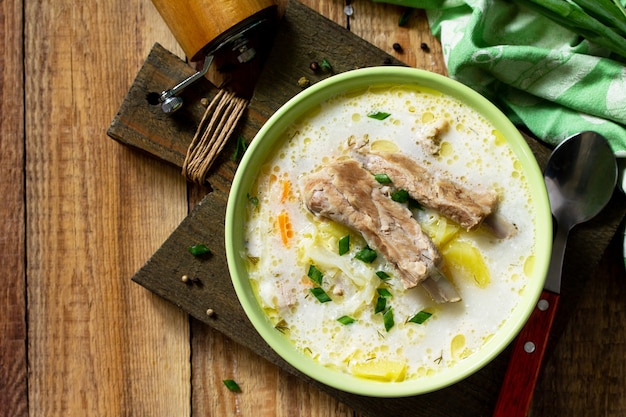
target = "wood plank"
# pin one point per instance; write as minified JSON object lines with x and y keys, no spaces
{"x":13,"y":357}
{"x":97,"y":345}
{"x":202,"y":225}
{"x":304,"y":36}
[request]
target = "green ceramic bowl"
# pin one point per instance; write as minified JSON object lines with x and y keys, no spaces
{"x":269,"y":138}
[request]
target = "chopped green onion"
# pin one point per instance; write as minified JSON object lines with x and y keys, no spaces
{"x":344,"y":245}
{"x":379,"y":115}
{"x":253,"y":200}
{"x":325,"y":65}
{"x":199,"y":250}
{"x":315,"y":274}
{"x":420,"y":317}
{"x":381,"y":305}
{"x":382,"y":178}
{"x":320,"y":294}
{"x":345,"y":320}
{"x":232,"y":385}
{"x":404,"y":17}
{"x":240,"y":148}
{"x":384,"y":292}
{"x":400,"y":196}
{"x":366,"y":255}
{"x":382,"y":275}
{"x":388,"y":319}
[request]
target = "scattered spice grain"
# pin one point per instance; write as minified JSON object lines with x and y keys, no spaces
{"x":304,"y":82}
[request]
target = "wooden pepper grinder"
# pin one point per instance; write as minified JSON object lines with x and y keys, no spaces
{"x":226,"y":40}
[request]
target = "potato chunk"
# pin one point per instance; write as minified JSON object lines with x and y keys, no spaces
{"x":464,"y":261}
{"x":380,"y":369}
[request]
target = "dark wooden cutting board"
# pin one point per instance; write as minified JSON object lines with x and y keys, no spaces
{"x":303,"y":36}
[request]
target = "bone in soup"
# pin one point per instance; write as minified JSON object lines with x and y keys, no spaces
{"x":391,"y":234}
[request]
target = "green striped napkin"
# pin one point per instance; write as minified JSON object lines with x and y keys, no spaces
{"x":542,"y":75}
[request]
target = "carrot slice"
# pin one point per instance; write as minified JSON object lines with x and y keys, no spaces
{"x":286,"y":190}
{"x":284,"y":225}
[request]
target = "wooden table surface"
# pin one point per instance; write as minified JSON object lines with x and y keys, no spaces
{"x":82,"y":213}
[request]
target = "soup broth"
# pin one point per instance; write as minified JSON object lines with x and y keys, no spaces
{"x":355,"y":315}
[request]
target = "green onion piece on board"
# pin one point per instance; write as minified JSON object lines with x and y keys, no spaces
{"x":199,"y":250}
{"x":404,"y":17}
{"x":232,"y":385}
{"x":240,"y":149}
{"x":325,"y":65}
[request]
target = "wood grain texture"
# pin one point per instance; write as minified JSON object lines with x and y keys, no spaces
{"x":97,"y":345}
{"x":297,"y":38}
{"x":13,"y":357}
{"x":91,"y":212}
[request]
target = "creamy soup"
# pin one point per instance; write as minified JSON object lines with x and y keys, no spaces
{"x":356,"y":315}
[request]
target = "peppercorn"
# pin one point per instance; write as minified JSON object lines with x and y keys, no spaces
{"x":397,"y":47}
{"x":424,"y":47}
{"x":314,"y":66}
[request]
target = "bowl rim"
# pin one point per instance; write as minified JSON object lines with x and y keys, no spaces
{"x":255,"y":156}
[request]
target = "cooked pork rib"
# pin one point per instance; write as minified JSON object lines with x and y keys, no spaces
{"x":467,"y":207}
{"x":346,"y":193}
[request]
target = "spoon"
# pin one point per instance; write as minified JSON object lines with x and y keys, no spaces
{"x":580,"y":178}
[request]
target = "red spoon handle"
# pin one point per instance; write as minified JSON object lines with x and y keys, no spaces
{"x":525,"y":363}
